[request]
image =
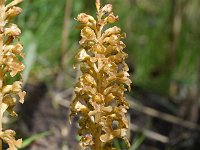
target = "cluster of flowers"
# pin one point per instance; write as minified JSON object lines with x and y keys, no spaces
{"x":100,"y":102}
{"x":10,"y":67}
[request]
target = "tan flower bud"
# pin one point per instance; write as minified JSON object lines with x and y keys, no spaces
{"x":9,"y":103}
{"x":107,"y":8}
{"x":17,"y":49}
{"x":12,"y":12}
{"x":98,"y":98}
{"x":98,"y":48}
{"x":112,"y":18}
{"x":88,"y":35}
{"x":82,"y":55}
{"x":13,"y":3}
{"x":12,"y":30}
{"x":8,"y":136}
{"x":84,"y":18}
{"x":110,"y":135}
{"x":86,"y":141}
{"x":110,"y":31}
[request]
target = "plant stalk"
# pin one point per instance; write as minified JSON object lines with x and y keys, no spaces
{"x":2,"y":23}
{"x":97,"y":141}
{"x":64,"y":45}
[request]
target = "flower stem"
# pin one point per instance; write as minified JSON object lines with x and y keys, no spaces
{"x":2,"y":22}
{"x":97,"y":141}
{"x":98,"y":5}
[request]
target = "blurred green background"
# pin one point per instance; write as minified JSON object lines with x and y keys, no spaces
{"x":150,"y":27}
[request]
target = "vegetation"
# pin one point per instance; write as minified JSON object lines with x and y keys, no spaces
{"x":10,"y":68}
{"x":100,"y":99}
{"x":163,"y":47}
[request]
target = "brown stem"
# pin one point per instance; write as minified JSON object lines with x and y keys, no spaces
{"x":64,"y":44}
{"x":65,"y":31}
{"x":198,"y":81}
{"x":176,"y":18}
{"x":97,"y":141}
{"x":98,"y":4}
{"x":98,"y":144}
{"x":2,"y":18}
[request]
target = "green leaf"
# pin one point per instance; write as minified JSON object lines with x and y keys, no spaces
{"x":33,"y":138}
{"x":139,"y":140}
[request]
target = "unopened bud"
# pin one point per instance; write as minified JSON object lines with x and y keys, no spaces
{"x":14,"y":11}
{"x":107,"y":8}
{"x":84,"y":18}
{"x":13,"y":30}
{"x":112,"y":18}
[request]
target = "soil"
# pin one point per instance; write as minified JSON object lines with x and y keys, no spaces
{"x":39,"y":114}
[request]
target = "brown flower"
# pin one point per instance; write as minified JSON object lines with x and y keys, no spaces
{"x":100,"y":102}
{"x":10,"y":66}
{"x":8,"y":136}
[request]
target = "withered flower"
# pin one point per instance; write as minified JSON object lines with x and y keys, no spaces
{"x":10,"y":66}
{"x":100,"y":102}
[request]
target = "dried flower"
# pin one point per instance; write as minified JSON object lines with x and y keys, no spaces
{"x":100,"y":102}
{"x":10,"y":66}
{"x":8,"y":136}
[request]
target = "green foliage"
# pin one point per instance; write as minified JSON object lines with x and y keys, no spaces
{"x":28,"y":141}
{"x":138,"y":141}
{"x":147,"y":24}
